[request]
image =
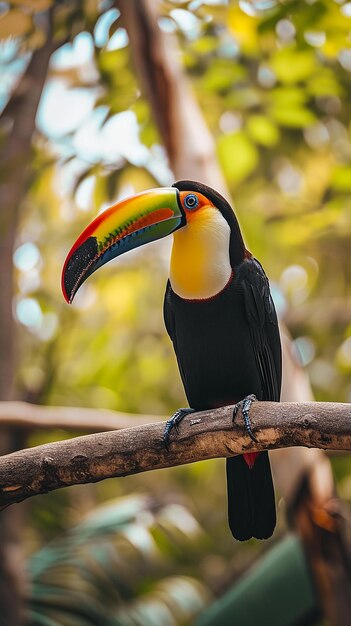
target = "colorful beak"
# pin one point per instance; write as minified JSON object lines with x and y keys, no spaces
{"x":148,"y":216}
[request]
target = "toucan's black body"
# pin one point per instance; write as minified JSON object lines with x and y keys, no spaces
{"x":227,"y":344}
{"x":228,"y":347}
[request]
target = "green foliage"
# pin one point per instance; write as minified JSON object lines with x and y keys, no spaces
{"x":237,"y":155}
{"x":119,"y":567}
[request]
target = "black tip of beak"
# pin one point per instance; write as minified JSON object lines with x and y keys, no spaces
{"x":77,"y":268}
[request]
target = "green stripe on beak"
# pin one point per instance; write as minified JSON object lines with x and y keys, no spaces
{"x":131,"y":223}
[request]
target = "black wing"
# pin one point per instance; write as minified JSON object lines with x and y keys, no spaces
{"x":263,"y":326}
{"x":168,"y":314}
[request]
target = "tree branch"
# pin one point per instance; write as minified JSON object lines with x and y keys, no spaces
{"x":203,"y":435}
{"x":29,"y":416}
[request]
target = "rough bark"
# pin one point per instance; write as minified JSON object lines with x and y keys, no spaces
{"x":203,"y":435}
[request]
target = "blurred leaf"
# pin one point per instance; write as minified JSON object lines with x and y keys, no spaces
{"x":292,"y":66}
{"x":293,"y":117}
{"x":309,"y":16}
{"x":244,"y":28}
{"x":99,"y":571}
{"x":34,"y":5}
{"x":112,"y":61}
{"x":221,"y":76}
{"x":262,"y":130}
{"x":324,"y":84}
{"x":341,"y":179}
{"x":204,"y":45}
{"x":14,"y":23}
{"x":238,"y":156}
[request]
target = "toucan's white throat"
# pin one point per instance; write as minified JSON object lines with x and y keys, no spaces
{"x":200,"y":262}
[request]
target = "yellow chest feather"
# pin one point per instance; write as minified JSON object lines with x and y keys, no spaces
{"x":200,"y":263}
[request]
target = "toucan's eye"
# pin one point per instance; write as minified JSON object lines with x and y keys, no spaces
{"x":191,"y":201}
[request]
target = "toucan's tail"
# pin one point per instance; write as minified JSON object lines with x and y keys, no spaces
{"x":251,"y":504}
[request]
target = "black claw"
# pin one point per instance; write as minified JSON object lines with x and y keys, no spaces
{"x":245,"y":406}
{"x":174,"y":422}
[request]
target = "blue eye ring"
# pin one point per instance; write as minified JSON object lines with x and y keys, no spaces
{"x":191,"y":201}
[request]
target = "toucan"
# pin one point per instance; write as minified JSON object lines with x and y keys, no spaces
{"x":218,"y":312}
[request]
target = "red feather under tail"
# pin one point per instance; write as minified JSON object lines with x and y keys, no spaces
{"x":251,"y":458}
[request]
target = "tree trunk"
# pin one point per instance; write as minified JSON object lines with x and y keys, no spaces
{"x":18,"y":121}
{"x":305,"y":479}
{"x":174,"y":107}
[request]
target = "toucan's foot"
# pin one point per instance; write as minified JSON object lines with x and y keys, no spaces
{"x":174,"y":422}
{"x":245,"y":406}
